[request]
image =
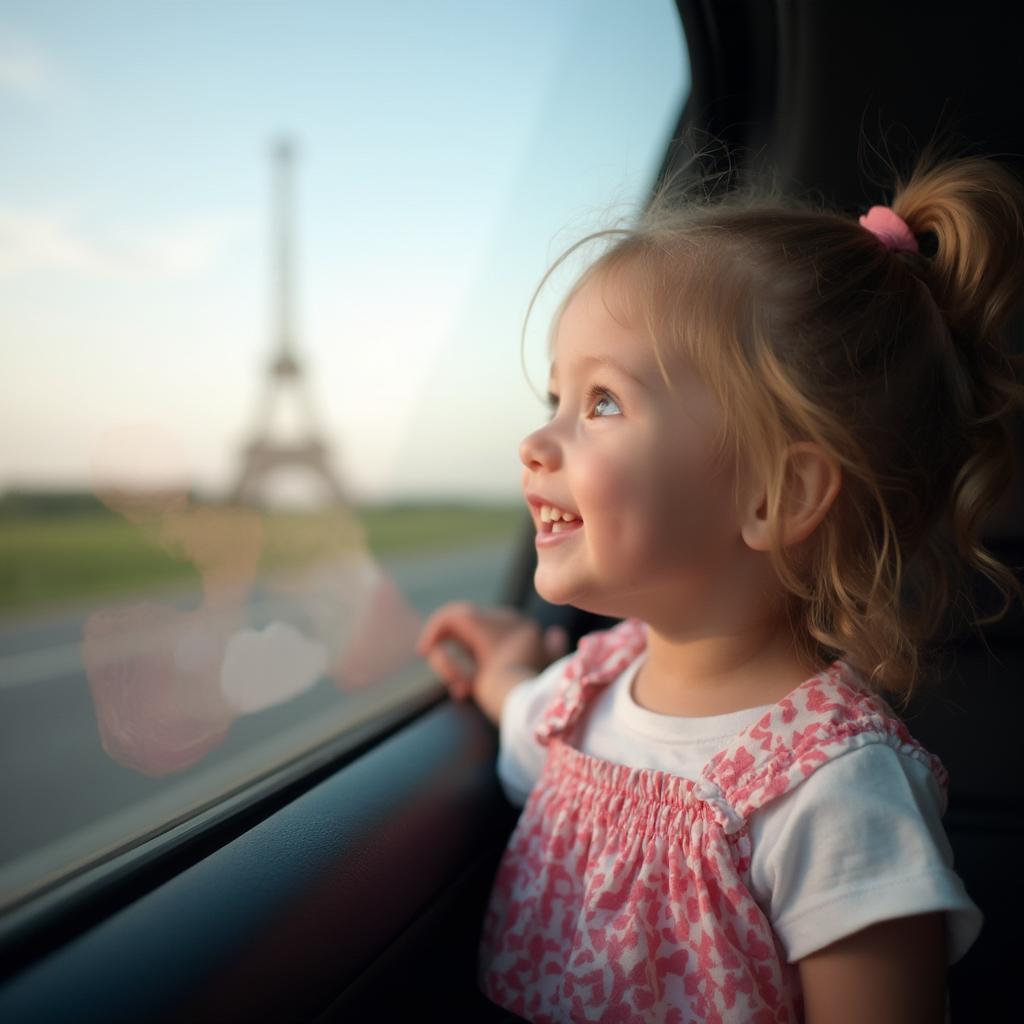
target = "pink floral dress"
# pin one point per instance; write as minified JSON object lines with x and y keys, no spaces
{"x":623,"y":895}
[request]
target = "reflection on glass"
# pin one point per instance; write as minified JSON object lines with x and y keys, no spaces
{"x":168,"y":683}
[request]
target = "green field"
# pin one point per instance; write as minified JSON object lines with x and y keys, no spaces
{"x":63,"y":558}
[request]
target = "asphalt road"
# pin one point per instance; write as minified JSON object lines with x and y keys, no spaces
{"x":62,"y":798}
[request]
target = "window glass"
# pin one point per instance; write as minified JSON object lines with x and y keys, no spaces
{"x":263,"y":270}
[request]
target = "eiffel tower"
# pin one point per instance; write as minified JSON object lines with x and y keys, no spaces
{"x":263,"y":455}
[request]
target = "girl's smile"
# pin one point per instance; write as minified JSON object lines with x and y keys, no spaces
{"x":553,"y":524}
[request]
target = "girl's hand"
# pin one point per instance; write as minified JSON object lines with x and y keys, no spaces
{"x":483,"y":652}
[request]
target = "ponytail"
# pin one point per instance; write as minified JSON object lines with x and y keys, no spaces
{"x":973,"y":209}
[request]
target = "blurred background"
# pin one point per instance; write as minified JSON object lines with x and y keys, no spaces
{"x":263,"y":273}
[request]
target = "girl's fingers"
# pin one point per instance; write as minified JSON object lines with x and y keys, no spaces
{"x":429,"y":631}
{"x":475,"y":633}
{"x":431,"y":634}
{"x":460,"y":658}
{"x":449,"y":672}
{"x":446,"y":620}
{"x":441,"y":666}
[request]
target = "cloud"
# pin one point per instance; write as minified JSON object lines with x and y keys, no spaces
{"x":32,"y":241}
{"x":24,"y":70}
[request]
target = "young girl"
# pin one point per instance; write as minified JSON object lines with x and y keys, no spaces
{"x":771,"y":427}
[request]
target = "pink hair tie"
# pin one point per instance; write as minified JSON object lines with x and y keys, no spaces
{"x":890,"y":229}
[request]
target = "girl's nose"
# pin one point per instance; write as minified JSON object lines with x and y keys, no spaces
{"x":540,"y":450}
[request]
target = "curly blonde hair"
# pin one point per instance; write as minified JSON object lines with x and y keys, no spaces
{"x":807,"y":328}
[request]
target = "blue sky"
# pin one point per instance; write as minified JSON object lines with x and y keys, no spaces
{"x":446,"y":153}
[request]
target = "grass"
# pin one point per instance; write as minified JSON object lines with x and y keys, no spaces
{"x":56,"y":560}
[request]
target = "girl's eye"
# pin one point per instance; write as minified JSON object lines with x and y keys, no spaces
{"x":600,"y":403}
{"x":603,"y":403}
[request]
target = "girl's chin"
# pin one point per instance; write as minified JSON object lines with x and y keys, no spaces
{"x":553,"y":593}
{"x":552,"y":590}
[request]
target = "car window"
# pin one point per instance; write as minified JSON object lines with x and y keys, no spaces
{"x":263,"y":270}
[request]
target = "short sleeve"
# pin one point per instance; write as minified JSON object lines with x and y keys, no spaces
{"x":520,"y":757}
{"x":857,"y":842}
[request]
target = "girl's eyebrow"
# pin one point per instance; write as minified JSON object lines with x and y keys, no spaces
{"x":604,"y":361}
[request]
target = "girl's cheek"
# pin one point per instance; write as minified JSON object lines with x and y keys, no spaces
{"x":607,"y":485}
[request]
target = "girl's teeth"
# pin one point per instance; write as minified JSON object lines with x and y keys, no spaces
{"x":553,"y":515}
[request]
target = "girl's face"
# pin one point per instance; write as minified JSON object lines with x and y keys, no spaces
{"x":646,"y":522}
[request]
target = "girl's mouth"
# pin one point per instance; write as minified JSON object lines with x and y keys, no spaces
{"x":555,"y":524}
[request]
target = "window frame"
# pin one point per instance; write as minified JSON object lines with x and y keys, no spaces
{"x":216,"y":934}
{"x":62,"y":909}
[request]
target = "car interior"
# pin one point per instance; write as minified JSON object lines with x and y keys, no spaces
{"x":355,"y":889}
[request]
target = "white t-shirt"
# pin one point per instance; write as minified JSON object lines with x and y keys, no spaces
{"x":857,"y":842}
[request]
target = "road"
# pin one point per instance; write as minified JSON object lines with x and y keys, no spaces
{"x":62,"y":798}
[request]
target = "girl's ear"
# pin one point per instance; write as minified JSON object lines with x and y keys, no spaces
{"x":810,"y":487}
